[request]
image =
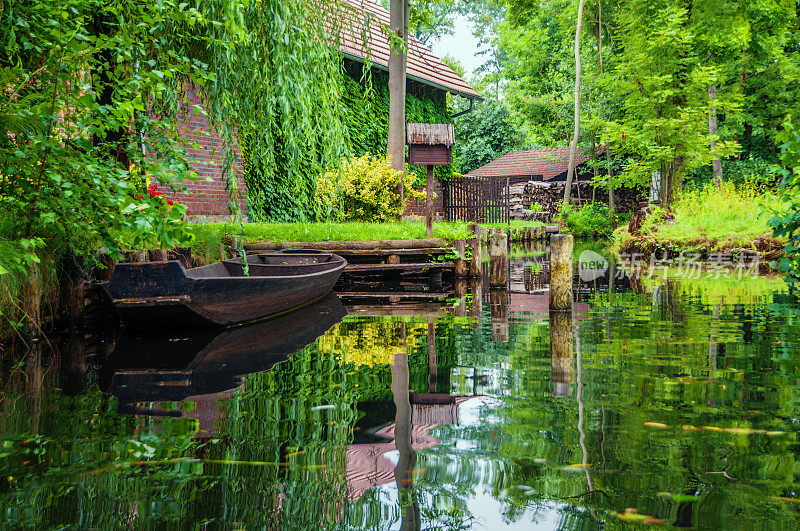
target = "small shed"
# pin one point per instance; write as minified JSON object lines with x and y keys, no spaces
{"x":430,"y":144}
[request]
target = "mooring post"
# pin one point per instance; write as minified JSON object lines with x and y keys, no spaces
{"x":562,"y":367}
{"x":498,"y":260}
{"x":476,"y":310}
{"x":498,"y":300}
{"x":136,"y":256}
{"x":475,"y":261}
{"x":429,"y":200}
{"x":228,"y":247}
{"x":461,"y":262}
{"x":561,"y":273}
{"x":106,"y":267}
{"x":184,"y":255}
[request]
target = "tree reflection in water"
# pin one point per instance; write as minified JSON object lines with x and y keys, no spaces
{"x":676,"y":404}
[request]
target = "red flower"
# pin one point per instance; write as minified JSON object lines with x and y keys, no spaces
{"x":170,"y":202}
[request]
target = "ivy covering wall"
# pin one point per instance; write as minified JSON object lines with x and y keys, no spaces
{"x":366,"y":115}
{"x":281,"y":187}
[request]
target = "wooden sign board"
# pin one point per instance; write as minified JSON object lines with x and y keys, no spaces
{"x":430,"y":155}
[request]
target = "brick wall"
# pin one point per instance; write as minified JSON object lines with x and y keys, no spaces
{"x":206,"y":198}
{"x":417,"y":207}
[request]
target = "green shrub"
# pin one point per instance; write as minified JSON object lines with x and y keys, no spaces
{"x":363,"y":189}
{"x":755,"y":174}
{"x":709,"y":213}
{"x":591,"y":221}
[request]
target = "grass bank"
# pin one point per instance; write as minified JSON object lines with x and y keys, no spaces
{"x":208,"y":236}
{"x":706,"y":220}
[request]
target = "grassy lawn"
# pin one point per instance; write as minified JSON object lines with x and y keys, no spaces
{"x":323,"y":232}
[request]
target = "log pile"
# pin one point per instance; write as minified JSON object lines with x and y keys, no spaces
{"x":549,"y":195}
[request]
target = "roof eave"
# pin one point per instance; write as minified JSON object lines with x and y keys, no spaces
{"x":418,"y":79}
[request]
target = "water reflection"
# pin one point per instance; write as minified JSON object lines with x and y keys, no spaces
{"x":676,"y":403}
{"x":146,"y":368}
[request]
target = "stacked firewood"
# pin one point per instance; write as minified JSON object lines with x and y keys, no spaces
{"x":545,"y":197}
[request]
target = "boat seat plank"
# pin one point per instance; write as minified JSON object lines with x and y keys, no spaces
{"x":382,"y":268}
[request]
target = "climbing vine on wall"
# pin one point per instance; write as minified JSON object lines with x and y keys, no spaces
{"x":296,"y":110}
{"x":366,"y":116}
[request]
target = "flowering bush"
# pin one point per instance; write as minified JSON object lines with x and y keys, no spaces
{"x":363,"y":189}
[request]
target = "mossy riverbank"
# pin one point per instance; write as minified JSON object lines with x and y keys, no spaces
{"x":705,"y":221}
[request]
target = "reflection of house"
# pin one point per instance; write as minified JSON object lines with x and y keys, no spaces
{"x":368,"y":465}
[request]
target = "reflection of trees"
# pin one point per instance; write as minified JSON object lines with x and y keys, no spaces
{"x":277,"y":459}
{"x":651,"y":365}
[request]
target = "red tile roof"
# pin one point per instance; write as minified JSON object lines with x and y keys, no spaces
{"x":369,"y":24}
{"x":548,"y":163}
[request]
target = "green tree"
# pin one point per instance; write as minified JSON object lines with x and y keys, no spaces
{"x":661,"y":81}
{"x":484,"y":134}
{"x":92,"y":94}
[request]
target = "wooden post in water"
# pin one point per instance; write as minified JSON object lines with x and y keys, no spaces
{"x":562,"y":368}
{"x":475,"y":261}
{"x":498,"y":260}
{"x":498,"y":300}
{"x":460,"y":262}
{"x":476,"y":310}
{"x":429,"y":200}
{"x":460,"y":309}
{"x":561,"y":273}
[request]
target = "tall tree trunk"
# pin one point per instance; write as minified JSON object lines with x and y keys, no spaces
{"x":396,"y":150}
{"x":611,"y":205}
{"x":594,"y":168}
{"x":573,"y":148}
{"x":712,"y":129}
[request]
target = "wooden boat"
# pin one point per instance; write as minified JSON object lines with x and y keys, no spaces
{"x":162,"y":295}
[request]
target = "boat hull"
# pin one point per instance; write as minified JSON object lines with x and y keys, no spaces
{"x":163,"y":295}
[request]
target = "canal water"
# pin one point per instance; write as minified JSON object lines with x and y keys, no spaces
{"x":666,"y":402}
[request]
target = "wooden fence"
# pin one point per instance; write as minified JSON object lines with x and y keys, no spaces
{"x":477,"y":199}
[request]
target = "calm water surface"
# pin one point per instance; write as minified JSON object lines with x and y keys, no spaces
{"x":672,"y":405}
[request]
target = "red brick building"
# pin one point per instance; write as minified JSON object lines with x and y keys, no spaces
{"x":207,"y":197}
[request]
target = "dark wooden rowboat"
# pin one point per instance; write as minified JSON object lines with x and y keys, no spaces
{"x":166,"y":295}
